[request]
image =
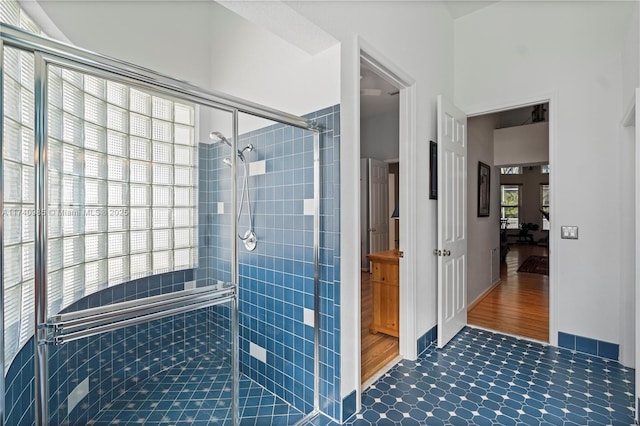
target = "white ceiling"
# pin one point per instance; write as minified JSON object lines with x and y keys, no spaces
{"x":458,"y":8}
{"x":377,"y":95}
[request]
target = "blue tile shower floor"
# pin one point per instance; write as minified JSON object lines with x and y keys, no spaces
{"x":484,"y":378}
{"x":196,"y":393}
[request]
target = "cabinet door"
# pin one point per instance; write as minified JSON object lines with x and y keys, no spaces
{"x":385,"y":298}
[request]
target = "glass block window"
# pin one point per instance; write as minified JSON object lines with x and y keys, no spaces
{"x":19,"y":181}
{"x":112,"y":214}
{"x":11,"y":13}
{"x":122,"y":166}
{"x":19,"y":198}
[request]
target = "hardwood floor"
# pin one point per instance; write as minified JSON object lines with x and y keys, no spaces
{"x":377,"y":350}
{"x":519,"y":305}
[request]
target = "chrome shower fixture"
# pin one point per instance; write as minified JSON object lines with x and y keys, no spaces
{"x":249,"y":238}
{"x":218,"y":137}
{"x":246,"y":148}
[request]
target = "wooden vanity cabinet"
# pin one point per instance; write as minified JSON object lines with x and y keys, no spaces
{"x":385,"y":284}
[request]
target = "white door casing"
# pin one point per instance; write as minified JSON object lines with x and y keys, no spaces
{"x":378,"y":206}
{"x":452,"y":221}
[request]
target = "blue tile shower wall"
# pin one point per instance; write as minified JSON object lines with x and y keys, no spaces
{"x":112,"y":362}
{"x":214,"y":228}
{"x":19,"y":394}
{"x":427,"y":338}
{"x":215,"y":240}
{"x":276,"y":281}
{"x":330,"y":399}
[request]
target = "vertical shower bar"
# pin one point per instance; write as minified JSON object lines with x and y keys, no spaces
{"x":40,"y":293}
{"x":316,"y":269}
{"x":2,"y":366}
{"x":235,"y":328}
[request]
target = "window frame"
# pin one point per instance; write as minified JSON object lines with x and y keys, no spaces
{"x":546,"y":207}
{"x":510,"y":224}
{"x":511,"y":170}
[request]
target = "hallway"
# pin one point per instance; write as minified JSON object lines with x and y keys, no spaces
{"x":519,"y":304}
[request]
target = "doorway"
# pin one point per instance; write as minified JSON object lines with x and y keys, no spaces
{"x":508,"y":288}
{"x":380,"y":197}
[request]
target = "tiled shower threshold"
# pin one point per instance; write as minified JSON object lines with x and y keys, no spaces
{"x":196,"y":393}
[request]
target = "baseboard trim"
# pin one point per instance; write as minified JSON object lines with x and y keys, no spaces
{"x":483,"y":295}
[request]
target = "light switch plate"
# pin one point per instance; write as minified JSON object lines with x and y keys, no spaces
{"x":569,"y":232}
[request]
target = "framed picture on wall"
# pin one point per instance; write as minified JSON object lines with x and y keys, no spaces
{"x":484,"y":180}
{"x":433,"y":170}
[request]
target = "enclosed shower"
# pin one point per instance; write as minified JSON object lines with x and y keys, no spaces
{"x":161,"y":255}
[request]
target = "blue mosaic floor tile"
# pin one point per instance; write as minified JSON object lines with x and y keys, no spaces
{"x":196,"y":393}
{"x":484,"y":378}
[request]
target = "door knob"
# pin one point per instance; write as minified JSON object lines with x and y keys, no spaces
{"x":446,"y":252}
{"x":437,"y":252}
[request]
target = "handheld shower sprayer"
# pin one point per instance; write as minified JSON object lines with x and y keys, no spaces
{"x":218,"y":137}
{"x":249,"y":238}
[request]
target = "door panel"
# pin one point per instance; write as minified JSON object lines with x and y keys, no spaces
{"x":378,"y":210}
{"x":452,"y":225}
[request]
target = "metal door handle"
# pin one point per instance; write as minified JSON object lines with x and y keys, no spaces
{"x":446,"y":252}
{"x":437,"y":252}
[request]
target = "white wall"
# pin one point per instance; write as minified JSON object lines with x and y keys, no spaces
{"x":169,"y":37}
{"x":484,"y":232}
{"x":631,"y":297}
{"x":425,"y":55}
{"x":528,"y":144}
{"x":631,"y":60}
{"x":503,"y":57}
{"x":379,"y":136}
{"x":206,"y":44}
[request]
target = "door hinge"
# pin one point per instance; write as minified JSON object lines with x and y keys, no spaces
{"x":437,"y":252}
{"x":400,"y":253}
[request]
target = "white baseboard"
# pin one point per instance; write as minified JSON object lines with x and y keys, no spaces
{"x":483,"y":295}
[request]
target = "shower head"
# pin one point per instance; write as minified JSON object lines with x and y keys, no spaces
{"x":218,"y":137}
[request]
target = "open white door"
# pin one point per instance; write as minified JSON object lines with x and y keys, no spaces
{"x":378,"y":206}
{"x":452,"y":221}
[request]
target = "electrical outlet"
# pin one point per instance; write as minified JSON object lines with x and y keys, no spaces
{"x":569,"y":232}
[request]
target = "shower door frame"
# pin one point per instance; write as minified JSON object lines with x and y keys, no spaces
{"x":47,"y":51}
